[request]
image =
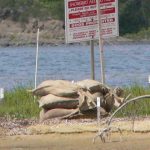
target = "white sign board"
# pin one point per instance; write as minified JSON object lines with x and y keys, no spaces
{"x":82,"y":21}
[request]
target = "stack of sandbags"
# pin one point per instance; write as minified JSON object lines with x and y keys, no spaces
{"x":109,"y":97}
{"x":59,"y":98}
{"x":96,"y":89}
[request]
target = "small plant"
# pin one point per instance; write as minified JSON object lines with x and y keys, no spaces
{"x":141,"y":108}
{"x":18,"y":103}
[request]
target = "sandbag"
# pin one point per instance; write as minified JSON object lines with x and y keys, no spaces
{"x":93,"y":86}
{"x":87,"y":100}
{"x":109,"y":102}
{"x":92,"y":113}
{"x":42,"y":112}
{"x":51,"y":83}
{"x":112,"y":100}
{"x":57,"y":87}
{"x":50,"y":102}
{"x":97,"y":94}
{"x":57,"y":91}
{"x":119,"y":91}
{"x":54,"y":113}
{"x":102,"y":100}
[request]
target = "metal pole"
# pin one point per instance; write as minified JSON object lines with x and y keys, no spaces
{"x":92,"y":60}
{"x":37,"y":53}
{"x":101,"y":44}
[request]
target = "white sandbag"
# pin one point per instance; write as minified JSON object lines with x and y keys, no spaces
{"x":57,"y":87}
{"x":93,"y":86}
{"x":50,"y":102}
{"x":57,"y":91}
{"x":53,"y":83}
{"x":54,"y":113}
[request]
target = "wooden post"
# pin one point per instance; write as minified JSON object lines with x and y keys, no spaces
{"x":101,"y":44}
{"x":37,"y":54}
{"x":92,"y":60}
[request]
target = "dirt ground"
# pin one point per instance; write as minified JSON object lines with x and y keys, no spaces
{"x":73,"y":135}
{"x":81,"y":141}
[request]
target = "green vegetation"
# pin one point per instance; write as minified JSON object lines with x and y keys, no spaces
{"x":134,"y":16}
{"x":19,"y":103}
{"x":137,"y":108}
{"x":143,"y":34}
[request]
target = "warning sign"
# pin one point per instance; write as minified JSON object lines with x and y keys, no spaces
{"x":82,"y":20}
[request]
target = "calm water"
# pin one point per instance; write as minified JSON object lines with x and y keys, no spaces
{"x":125,"y":64}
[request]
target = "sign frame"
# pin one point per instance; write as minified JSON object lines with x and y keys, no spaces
{"x":71,"y":34}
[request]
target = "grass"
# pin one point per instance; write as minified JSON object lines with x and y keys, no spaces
{"x":141,"y":107}
{"x":18,"y":103}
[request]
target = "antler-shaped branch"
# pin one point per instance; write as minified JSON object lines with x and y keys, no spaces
{"x":124,"y":104}
{"x":106,"y":131}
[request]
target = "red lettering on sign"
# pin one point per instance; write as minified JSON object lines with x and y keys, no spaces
{"x":92,"y":33}
{"x":108,"y":20}
{"x":81,"y":3}
{"x":79,"y":35}
{"x":82,"y":14}
{"x":106,"y":1}
{"x":106,"y":31}
{"x":81,"y":24}
{"x":108,"y":11}
{"x":74,"y":25}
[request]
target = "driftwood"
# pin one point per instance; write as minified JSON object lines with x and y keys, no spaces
{"x":124,"y":104}
{"x":106,"y":131}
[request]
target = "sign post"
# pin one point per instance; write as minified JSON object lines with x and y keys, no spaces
{"x":88,"y":20}
{"x":37,"y":55}
{"x":92,"y":60}
{"x":100,"y":42}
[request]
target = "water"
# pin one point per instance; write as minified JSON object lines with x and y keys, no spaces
{"x":124,"y":64}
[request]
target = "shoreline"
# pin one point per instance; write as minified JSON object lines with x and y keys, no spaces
{"x":52,"y":33}
{"x":86,"y":43}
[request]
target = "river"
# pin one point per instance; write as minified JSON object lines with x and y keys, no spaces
{"x":125,"y":64}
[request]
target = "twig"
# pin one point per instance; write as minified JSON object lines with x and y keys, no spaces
{"x":123,"y":105}
{"x":106,"y":131}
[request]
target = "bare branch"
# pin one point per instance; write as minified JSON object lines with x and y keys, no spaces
{"x":123,"y":105}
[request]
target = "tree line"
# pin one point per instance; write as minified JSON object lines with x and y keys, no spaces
{"x":134,"y":15}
